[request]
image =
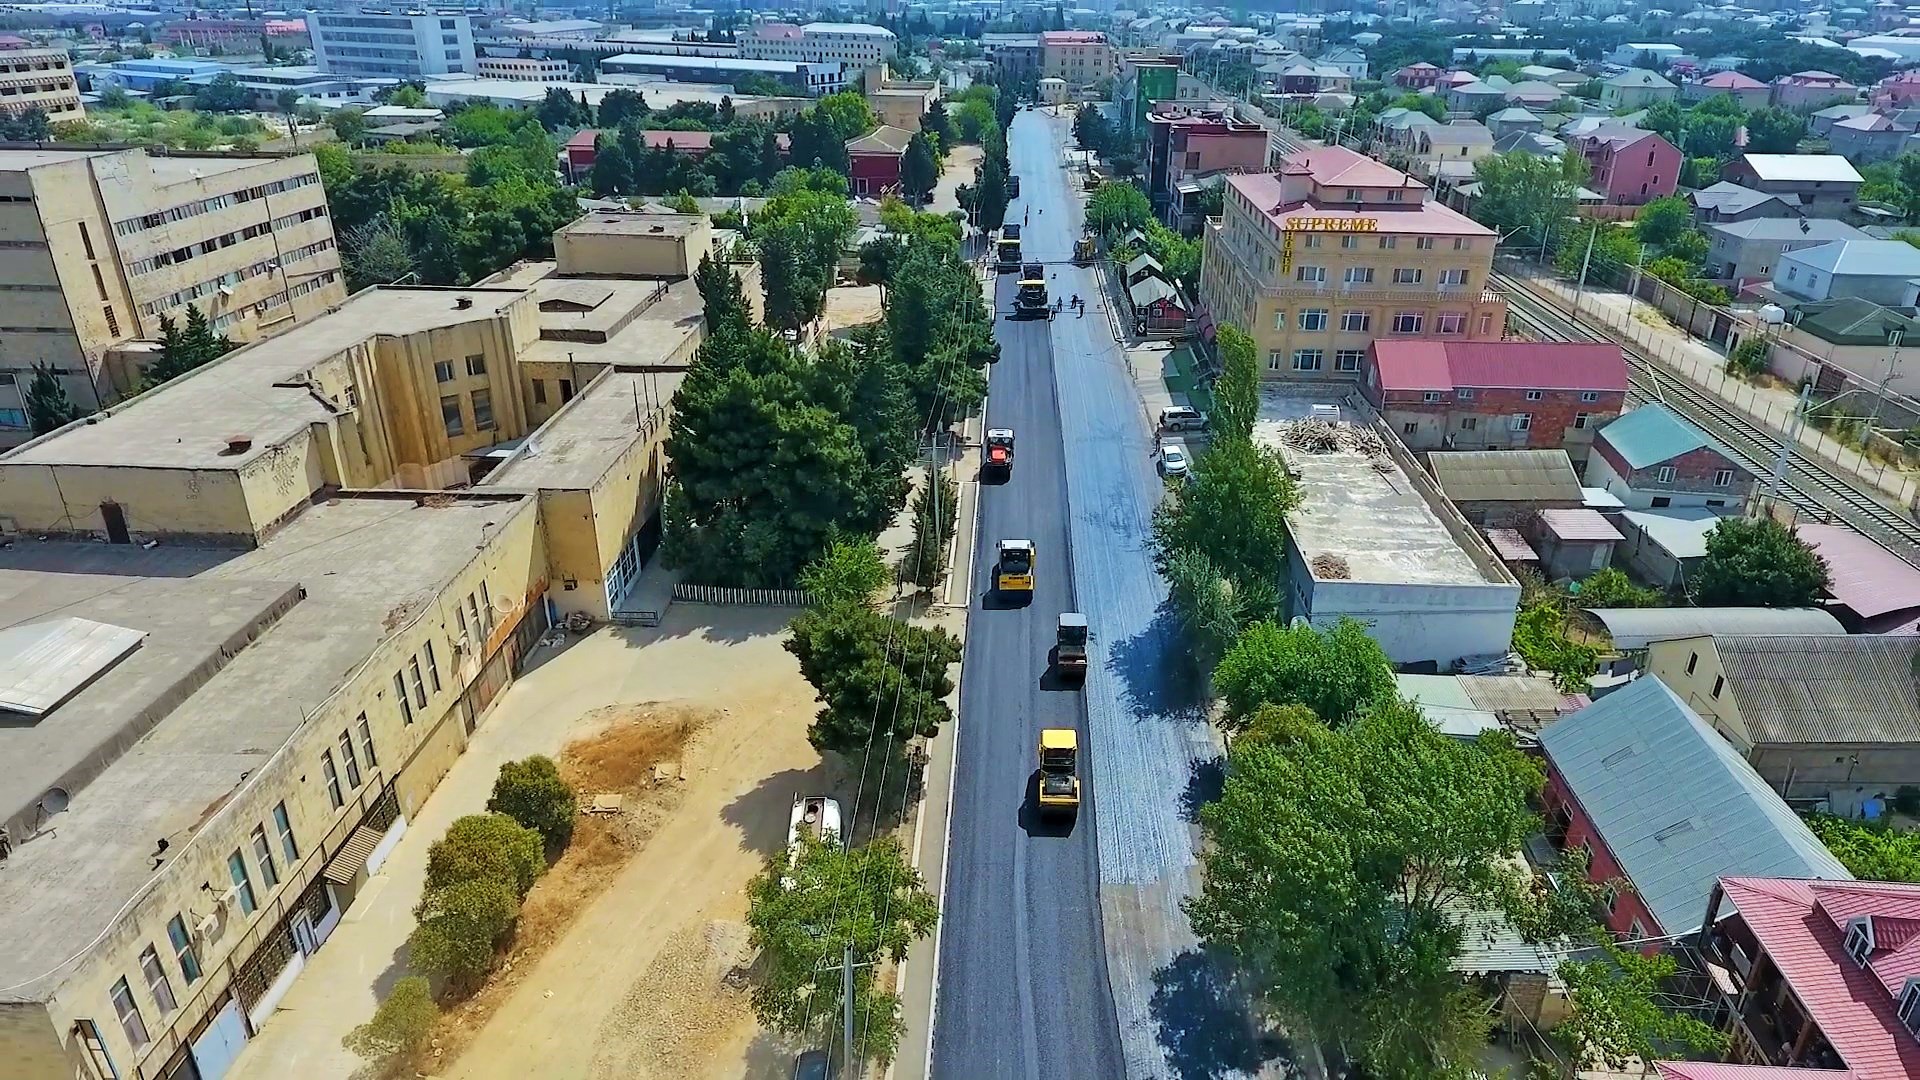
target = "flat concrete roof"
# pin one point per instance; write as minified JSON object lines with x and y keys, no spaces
{"x":634,"y":224}
{"x":1362,"y":510}
{"x":367,"y":563}
{"x":578,"y":444}
{"x":648,"y":340}
{"x":186,"y":424}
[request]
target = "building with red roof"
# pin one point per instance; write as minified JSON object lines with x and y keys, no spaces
{"x":1746,"y":91}
{"x":1629,"y":166}
{"x":1805,"y":91}
{"x":1897,"y":91}
{"x":1816,"y":979}
{"x":1417,"y":76}
{"x":579,"y":152}
{"x":1496,"y":395}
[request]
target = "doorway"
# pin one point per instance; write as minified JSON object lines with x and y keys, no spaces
{"x":115,"y":517}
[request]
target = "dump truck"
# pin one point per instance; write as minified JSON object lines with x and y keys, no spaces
{"x":1009,"y":247}
{"x":1013,"y":573}
{"x":1084,"y":250}
{"x":1059,"y":794}
{"x":1070,"y":646}
{"x":999,"y":460}
{"x":1031,"y":301}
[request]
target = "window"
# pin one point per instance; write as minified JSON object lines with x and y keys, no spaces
{"x":351,"y":759}
{"x":1453,"y":276}
{"x":1464,"y":393}
{"x":1406,"y":275}
{"x":477,"y":364}
{"x":1469,"y":423}
{"x":1581,"y":420}
{"x":1349,"y":242}
{"x":1860,"y":940}
{"x":1461,"y":243}
{"x":1279,"y":320}
{"x":1276,"y":359}
{"x":183,"y":949}
{"x":482,"y":410}
{"x":1359,"y":275}
{"x":1313,"y":319}
{"x":486,"y":604}
{"x":129,"y":1013}
{"x":157,"y":983}
{"x":1589,"y":395}
{"x":1661,"y":502}
{"x":1410,"y":428}
{"x":1407,"y":322}
{"x":1312,"y":275}
{"x":1719,"y":684}
{"x":450,"y":416}
{"x":1534,"y":395}
{"x":1348,"y":359}
{"x":1520,"y":421}
{"x":1310,"y":240}
{"x":433,"y":668}
{"x":473,"y":608}
{"x":1356,"y":322}
{"x":242,"y":884}
{"x":1423,"y":243}
{"x":539,"y":391}
{"x":1388,"y":243}
{"x":333,"y":779}
{"x":400,"y":693}
{"x":1908,"y":1008}
{"x":1433,"y":397}
{"x":284,"y":826}
{"x":1450,"y":322}
{"x":1306,"y":359}
{"x":366,"y":741}
{"x":1723,"y":478}
{"x":443,"y":371}
{"x":1664,"y":474}
{"x":1612,"y":901}
{"x":419,"y":688}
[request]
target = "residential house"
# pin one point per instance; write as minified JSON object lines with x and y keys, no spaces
{"x":1587,"y":125}
{"x":1417,"y":76}
{"x":1158,"y":307}
{"x":1632,"y":631}
{"x":1345,"y":58}
{"x":873,"y":160}
{"x":1496,"y":395}
{"x":1301,"y":78}
{"x":1730,"y":202}
{"x":1819,"y":716}
{"x":1635,"y":52}
{"x":1629,"y":167}
{"x":1805,"y":91}
{"x":1560,"y":77}
{"x":1572,"y":543}
{"x":1882,"y":271}
{"x":1460,"y":143}
{"x":1811,"y":980}
{"x":1534,"y":95}
{"x":1141,"y":267}
{"x":1900,"y":90}
{"x":1850,"y":336}
{"x":1636,"y":88}
{"x":1185,"y":144}
{"x":1870,"y":138}
{"x":1476,"y":97}
{"x":1663,"y":846}
{"x":1509,"y":120}
{"x":1505,"y":488}
{"x":1820,"y":185}
{"x":1749,"y":250}
{"x":1666,"y":547}
{"x":1652,"y":459}
{"x":1529,"y":142}
{"x":1747,"y":92}
{"x":1821,"y":121}
{"x":1401,"y":127}
{"x":1872,"y":590}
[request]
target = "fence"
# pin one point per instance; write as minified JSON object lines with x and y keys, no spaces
{"x":724,"y":594}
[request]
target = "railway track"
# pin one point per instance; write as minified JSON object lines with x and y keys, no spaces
{"x":1805,"y":483}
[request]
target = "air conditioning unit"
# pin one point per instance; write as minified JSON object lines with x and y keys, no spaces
{"x":204,"y":926}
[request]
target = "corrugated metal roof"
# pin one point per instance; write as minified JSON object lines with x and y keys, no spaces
{"x":1652,"y":434}
{"x":1680,"y":531}
{"x":1865,"y":576}
{"x":1505,"y":475}
{"x":1579,"y":524}
{"x":1636,"y":628}
{"x":1620,"y":758}
{"x":1511,"y":546}
{"x":1530,"y":365}
{"x":43,"y":664}
{"x":1805,"y":688}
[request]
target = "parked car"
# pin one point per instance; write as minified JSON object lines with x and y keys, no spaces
{"x":811,"y":1065}
{"x":1182,"y":418}
{"x":1173,"y":460}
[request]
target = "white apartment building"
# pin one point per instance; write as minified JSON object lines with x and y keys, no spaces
{"x":523,"y":69}
{"x":39,"y":79}
{"x":400,"y":45}
{"x":856,"y":45}
{"x":97,"y":245}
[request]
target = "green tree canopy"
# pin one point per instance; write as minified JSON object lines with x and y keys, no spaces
{"x":1775,"y":131}
{"x":392,"y":1041}
{"x":1233,"y":511}
{"x":848,"y":113}
{"x":919,"y":168}
{"x":1662,"y":221}
{"x":461,"y":927}
{"x":1758,"y":562}
{"x":1870,"y":851}
{"x":1523,"y":192}
{"x":1117,"y":207}
{"x":620,"y":106}
{"x":48,"y":406}
{"x":531,"y":792}
{"x":1616,"y":1012}
{"x":851,"y":570}
{"x":492,"y":846}
{"x":1337,"y":674}
{"x":881,"y":682}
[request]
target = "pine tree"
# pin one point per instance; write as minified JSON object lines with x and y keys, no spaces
{"x":721,"y":295}
{"x":726,"y":111}
{"x":48,"y":406}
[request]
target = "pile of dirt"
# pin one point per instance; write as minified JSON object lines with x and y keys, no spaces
{"x":630,"y":746}
{"x":687,"y":1003}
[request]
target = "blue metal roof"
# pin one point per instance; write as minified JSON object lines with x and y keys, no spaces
{"x":1676,"y":804}
{"x":1652,"y":434}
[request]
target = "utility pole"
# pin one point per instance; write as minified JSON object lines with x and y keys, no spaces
{"x":1633,"y":282}
{"x":1787,"y":438}
{"x":1893,"y":361}
{"x":1580,"y":286}
{"x":846,"y":999}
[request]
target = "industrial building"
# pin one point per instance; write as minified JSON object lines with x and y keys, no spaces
{"x":856,"y":45}
{"x":812,"y":79}
{"x":324,"y":557}
{"x":400,"y":44}
{"x":39,"y":79}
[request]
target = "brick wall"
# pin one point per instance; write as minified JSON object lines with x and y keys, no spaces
{"x":1693,"y":473}
{"x":1628,"y":907}
{"x":1485,"y":419}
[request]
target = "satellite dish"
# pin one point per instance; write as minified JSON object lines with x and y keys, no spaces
{"x":54,"y":801}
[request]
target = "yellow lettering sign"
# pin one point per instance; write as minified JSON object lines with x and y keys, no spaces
{"x":1330,"y":224}
{"x":1286,"y":253}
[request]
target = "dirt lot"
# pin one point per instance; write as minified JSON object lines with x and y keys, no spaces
{"x":638,"y":986}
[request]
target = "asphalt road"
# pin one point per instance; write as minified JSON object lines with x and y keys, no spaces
{"x":1022,"y":979}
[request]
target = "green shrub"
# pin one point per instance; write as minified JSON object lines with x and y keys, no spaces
{"x":393,"y":1039}
{"x":461,"y":927}
{"x":532,"y":793}
{"x":492,"y":847}
{"x":1749,"y":357}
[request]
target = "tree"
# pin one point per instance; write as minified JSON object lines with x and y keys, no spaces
{"x":183,"y":349}
{"x":848,"y":114}
{"x":881,"y":682}
{"x":408,"y":96}
{"x":223,"y":94}
{"x":1117,"y":207}
{"x":919,"y":168}
{"x":461,"y":926}
{"x":1520,"y":191}
{"x":1758,"y":562}
{"x":723,"y":299}
{"x":1209,"y":608}
{"x":560,"y":109}
{"x":935,"y":520}
{"x":48,"y":406}
{"x":938,"y":124}
{"x":1092,"y":131}
{"x":349,"y":125}
{"x":1612,"y":588}
{"x":1540,"y":637}
{"x":796,"y":284}
{"x":683,"y":202}
{"x":727,"y":114}
{"x":880,"y":259}
{"x":866,"y":898}
{"x":620,"y":106}
{"x":1663,"y":221}
{"x":816,"y":144}
{"x":375,"y":253}
{"x":1338,"y":674}
{"x":1869,"y":851}
{"x":289,"y":102}
{"x":1775,"y":131}
{"x":1332,"y":866}
{"x":531,"y":792}
{"x":490,"y":846}
{"x":1233,"y":510}
{"x":1615,"y":1014}
{"x":1236,"y":395}
{"x":612,"y":172}
{"x":851,"y":570}
{"x":392,"y":1041}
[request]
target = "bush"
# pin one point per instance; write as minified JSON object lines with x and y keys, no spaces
{"x":1869,"y":851}
{"x":1611,"y":588}
{"x":486,"y":847}
{"x":532,"y":793}
{"x":390,"y":1042}
{"x":461,"y":927}
{"x":1337,"y":674}
{"x":1749,"y":357}
{"x":935,"y":520}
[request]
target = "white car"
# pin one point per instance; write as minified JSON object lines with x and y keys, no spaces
{"x":1173,"y":460}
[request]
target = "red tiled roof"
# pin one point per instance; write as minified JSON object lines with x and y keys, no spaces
{"x":584,"y":139}
{"x":1530,"y":365}
{"x":1710,"y":1070}
{"x":1792,"y":920}
{"x":1865,"y":576}
{"x":1732,"y":80}
{"x":1335,"y":166}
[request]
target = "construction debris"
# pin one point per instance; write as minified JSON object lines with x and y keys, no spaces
{"x":1329,"y":567}
{"x":1321,"y":437}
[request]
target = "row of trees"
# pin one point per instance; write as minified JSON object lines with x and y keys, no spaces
{"x":1120,"y":207}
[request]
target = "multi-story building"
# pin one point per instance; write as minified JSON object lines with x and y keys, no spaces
{"x":1332,"y":250}
{"x":1496,"y":395}
{"x":101,"y":244}
{"x":1817,"y":185}
{"x":1015,"y":56}
{"x":39,"y":79}
{"x":227,"y":33}
{"x":1189,"y":144}
{"x":797,"y":77}
{"x":523,"y":69}
{"x":1805,"y":91}
{"x":1144,"y":83}
{"x":856,"y":45}
{"x":1075,"y":57}
{"x":1650,"y":459}
{"x":1627,"y":165}
{"x":396,"y":44}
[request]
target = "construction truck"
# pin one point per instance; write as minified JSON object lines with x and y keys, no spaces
{"x":998,"y":462}
{"x":1013,"y":186}
{"x":1013,"y":574}
{"x":1031,"y":301}
{"x":1059,"y":794}
{"x":1009,"y":247}
{"x":1070,"y":646}
{"x":1084,"y":250}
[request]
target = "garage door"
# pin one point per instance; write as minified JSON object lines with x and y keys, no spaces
{"x":215,"y":1049}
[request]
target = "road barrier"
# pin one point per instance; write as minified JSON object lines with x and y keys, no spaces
{"x":724,"y":594}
